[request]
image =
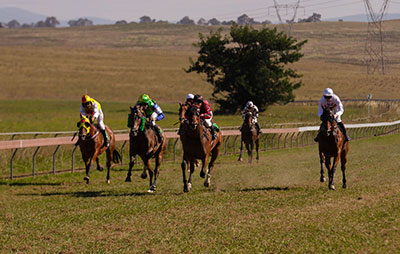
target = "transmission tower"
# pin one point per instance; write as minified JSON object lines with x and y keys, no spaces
{"x":293,"y":9}
{"x":374,"y":47}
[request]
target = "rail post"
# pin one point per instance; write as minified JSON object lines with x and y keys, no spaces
{"x":284,"y":145}
{"x":122,"y":152}
{"x":279,"y":141}
{"x":291,"y":140}
{"x":176,"y":142}
{"x":12,"y":164}
{"x":34,"y":160}
{"x":54,"y":159}
{"x":73,"y":154}
{"x":234,"y":144}
{"x":265,"y":142}
{"x":226,"y":145}
{"x":272,"y":141}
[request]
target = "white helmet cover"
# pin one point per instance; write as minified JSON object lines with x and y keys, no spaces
{"x":189,"y":96}
{"x":328,"y":92}
{"x":249,"y":104}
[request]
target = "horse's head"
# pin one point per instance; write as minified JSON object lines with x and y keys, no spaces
{"x":328,"y":121}
{"x":183,"y":107}
{"x":193,"y":114}
{"x":85,"y":127}
{"x":138,"y":119}
{"x":248,"y":118}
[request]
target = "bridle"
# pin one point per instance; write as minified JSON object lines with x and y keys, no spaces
{"x":137,"y":114}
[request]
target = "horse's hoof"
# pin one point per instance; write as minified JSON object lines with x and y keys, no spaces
{"x":189,"y":186}
{"x":108,"y":181}
{"x":322,"y":179}
{"x":185,"y":189}
{"x":150,"y":191}
{"x":206,"y":184}
{"x":86,"y":178}
{"x":331,"y":187}
{"x":128,"y":180}
{"x":100,"y":169}
{"x":143,"y":175}
{"x":344,"y":186}
{"x":240,"y":159}
{"x":202,"y":174}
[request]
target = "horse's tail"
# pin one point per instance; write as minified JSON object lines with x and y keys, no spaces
{"x":116,"y":157}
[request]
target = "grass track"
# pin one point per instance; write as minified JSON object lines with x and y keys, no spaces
{"x":274,"y":206}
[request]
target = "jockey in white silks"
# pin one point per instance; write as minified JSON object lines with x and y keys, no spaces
{"x":254,"y":109}
{"x":331,"y":100}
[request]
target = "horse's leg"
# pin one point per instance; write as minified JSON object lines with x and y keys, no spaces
{"x":204,"y":169}
{"x":257,"y":146}
{"x":322,"y":161}
{"x":185,"y":184}
{"x":109,"y":156}
{"x":131,"y":164}
{"x":329,"y":168}
{"x":249,"y":148}
{"x":99,"y":168}
{"x":144,"y":173}
{"x":88,"y":164}
{"x":151,"y":174}
{"x":241,"y":151}
{"x":191,"y":169}
{"x":214,"y":155}
{"x":343,"y":160}
{"x":156,"y":170}
{"x":333,"y":169}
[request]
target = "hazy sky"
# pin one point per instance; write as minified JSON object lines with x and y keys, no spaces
{"x":174,"y":10}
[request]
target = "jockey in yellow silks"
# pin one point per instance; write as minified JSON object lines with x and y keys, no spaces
{"x":92,"y":109}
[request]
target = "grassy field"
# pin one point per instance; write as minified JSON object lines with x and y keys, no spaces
{"x":274,"y":206}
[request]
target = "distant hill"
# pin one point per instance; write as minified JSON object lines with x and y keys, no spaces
{"x":23,"y":16}
{"x":363,"y":17}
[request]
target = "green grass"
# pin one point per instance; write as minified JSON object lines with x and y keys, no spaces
{"x":274,"y":206}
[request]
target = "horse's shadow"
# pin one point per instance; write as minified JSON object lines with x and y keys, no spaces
{"x":266,"y":189}
{"x":29,"y":184}
{"x":86,"y":194}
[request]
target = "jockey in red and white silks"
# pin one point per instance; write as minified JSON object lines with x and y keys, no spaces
{"x":205,"y":113}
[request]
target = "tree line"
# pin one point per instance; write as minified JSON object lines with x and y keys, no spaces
{"x":241,"y":20}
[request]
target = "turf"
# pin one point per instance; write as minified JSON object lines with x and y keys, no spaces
{"x":275,"y":205}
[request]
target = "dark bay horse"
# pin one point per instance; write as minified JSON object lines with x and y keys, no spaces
{"x":91,"y":145}
{"x":249,"y":136}
{"x":331,"y":144}
{"x":197,"y":143}
{"x":143,"y":142}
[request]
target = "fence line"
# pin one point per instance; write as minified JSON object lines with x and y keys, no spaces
{"x":271,"y":139}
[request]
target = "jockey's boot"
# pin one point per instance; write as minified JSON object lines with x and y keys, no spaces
{"x":106,"y":138}
{"x":213,"y":133}
{"x":343,"y":129}
{"x":258,"y":128}
{"x":316,"y":138}
{"x":158,"y":133}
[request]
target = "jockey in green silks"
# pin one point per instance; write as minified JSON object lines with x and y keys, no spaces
{"x":152,"y":111}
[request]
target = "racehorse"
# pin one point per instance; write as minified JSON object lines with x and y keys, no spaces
{"x":91,"y":145}
{"x":249,"y":136}
{"x":197,"y":143}
{"x":331,"y":144}
{"x":143,"y":142}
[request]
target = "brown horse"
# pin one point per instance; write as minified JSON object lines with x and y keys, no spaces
{"x":143,"y":142}
{"x":91,"y":145}
{"x":249,"y":136}
{"x":331,"y":144}
{"x":197,"y":143}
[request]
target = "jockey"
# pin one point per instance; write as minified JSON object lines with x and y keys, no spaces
{"x":92,"y":109}
{"x":152,"y":111}
{"x":333,"y":101}
{"x":254,"y":109}
{"x":189,"y":99}
{"x":205,"y":113}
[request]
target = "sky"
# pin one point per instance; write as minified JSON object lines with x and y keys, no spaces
{"x":174,"y":10}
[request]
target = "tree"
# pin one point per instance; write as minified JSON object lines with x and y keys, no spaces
{"x":186,"y":21}
{"x":313,"y":18}
{"x":14,"y":24}
{"x":146,"y":19}
{"x":245,"y":20}
{"x":249,"y":64}
{"x":51,"y":22}
{"x":80,"y":22}
{"x":214,"y":22}
{"x":202,"y":22}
